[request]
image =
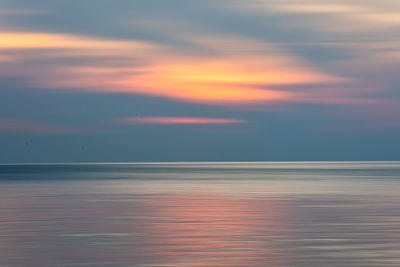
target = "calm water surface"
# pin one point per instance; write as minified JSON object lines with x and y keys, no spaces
{"x":201,"y":214}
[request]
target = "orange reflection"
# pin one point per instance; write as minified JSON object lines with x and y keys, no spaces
{"x":215,"y":230}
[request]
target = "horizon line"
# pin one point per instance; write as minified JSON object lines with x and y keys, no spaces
{"x":193,"y":162}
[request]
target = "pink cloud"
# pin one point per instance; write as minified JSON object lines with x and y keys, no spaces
{"x":8,"y":125}
{"x":178,"y":120}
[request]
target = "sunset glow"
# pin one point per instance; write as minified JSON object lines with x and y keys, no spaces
{"x":226,"y":133}
{"x":233,"y":78}
{"x":260,"y":75}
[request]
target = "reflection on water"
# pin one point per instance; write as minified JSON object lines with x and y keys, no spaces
{"x":281,"y":214}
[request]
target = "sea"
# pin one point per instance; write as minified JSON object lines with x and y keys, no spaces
{"x":305,"y":214}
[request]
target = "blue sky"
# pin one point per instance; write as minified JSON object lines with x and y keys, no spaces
{"x":210,"y":80}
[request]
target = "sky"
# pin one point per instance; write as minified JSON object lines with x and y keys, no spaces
{"x":189,"y":80}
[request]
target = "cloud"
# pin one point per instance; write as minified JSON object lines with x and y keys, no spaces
{"x":195,"y":63}
{"x":178,"y":120}
{"x":13,"y":12}
{"x":341,"y":16}
{"x":10,"y":125}
{"x":41,"y":40}
{"x":6,"y":58}
{"x":361,"y":27}
{"x":361,"y":30}
{"x":224,"y":76}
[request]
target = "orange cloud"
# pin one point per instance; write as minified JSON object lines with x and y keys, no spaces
{"x":225,"y":80}
{"x":178,"y":120}
{"x":226,"y":77}
{"x":38,"y":40}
